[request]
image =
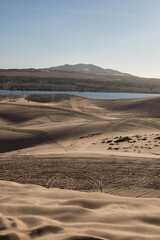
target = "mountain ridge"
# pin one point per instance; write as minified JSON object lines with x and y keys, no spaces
{"x":88,"y":69}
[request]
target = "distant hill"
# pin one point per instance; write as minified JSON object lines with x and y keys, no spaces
{"x":77,"y":68}
{"x":89,"y":69}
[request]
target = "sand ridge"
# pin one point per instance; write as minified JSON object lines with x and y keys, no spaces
{"x":33,"y":212}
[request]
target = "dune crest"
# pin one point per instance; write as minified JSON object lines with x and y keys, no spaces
{"x":33,"y":212}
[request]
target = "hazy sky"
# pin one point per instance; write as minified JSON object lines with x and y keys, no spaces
{"x":118,"y":34}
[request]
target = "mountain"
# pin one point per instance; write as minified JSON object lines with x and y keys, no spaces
{"x":88,"y":68}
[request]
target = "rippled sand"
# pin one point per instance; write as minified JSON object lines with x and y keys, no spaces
{"x":33,"y":212}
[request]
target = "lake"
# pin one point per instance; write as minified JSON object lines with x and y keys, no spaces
{"x":94,"y":95}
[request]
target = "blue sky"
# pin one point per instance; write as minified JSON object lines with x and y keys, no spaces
{"x":118,"y":34}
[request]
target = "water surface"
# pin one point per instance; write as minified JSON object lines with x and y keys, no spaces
{"x":94,"y":95}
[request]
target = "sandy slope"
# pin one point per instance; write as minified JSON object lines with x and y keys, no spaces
{"x":84,"y":144}
{"x":32,"y":212}
{"x":62,"y":121}
{"x":61,"y":141}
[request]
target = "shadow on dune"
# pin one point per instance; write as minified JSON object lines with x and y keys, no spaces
{"x":27,"y":121}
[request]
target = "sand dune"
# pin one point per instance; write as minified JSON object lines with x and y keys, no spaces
{"x":33,"y":120}
{"x":40,"y":132}
{"x":32,"y":212}
{"x":144,"y":107}
{"x":74,"y":143}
